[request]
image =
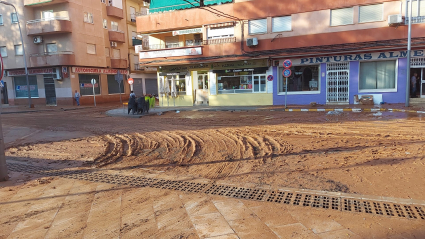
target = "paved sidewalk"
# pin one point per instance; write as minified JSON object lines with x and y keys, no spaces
{"x":33,"y":207}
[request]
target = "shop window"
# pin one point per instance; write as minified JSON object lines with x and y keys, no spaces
{"x":3,"y":51}
{"x":51,"y":48}
{"x":180,"y":83}
{"x":1,"y":20}
{"x":19,"y":50}
{"x":378,"y":75}
{"x":91,"y":49}
{"x":114,"y":26}
{"x":241,"y":82}
{"x":303,"y":79}
{"x":371,"y":13}
{"x":21,"y":87}
{"x":88,"y":17}
{"x":86,"y":88}
{"x":113,"y":86}
{"x":14,"y":17}
{"x":343,"y":16}
{"x":281,"y":24}
{"x":258,"y":26}
{"x":223,"y":32}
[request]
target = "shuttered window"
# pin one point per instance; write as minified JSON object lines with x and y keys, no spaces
{"x":343,"y":16}
{"x":281,"y":24}
{"x":371,"y":13}
{"x":257,"y":26}
{"x":418,"y":8}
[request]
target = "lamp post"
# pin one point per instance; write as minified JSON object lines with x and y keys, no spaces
{"x":409,"y":5}
{"x":23,"y":49}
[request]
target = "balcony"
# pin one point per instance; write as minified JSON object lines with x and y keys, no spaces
{"x":52,"y":59}
{"x":117,"y":36}
{"x":38,"y":3}
{"x":219,"y":41}
{"x":47,"y":26}
{"x":114,"y":12}
{"x":119,"y":63}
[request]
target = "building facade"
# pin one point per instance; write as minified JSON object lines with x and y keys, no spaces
{"x":67,"y":44}
{"x":231,"y":52}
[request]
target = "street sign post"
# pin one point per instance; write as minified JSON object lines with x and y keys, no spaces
{"x":93,"y":82}
{"x":270,"y":77}
{"x":286,"y":73}
{"x":119,"y":78}
{"x":130,"y":81}
{"x":287,"y":64}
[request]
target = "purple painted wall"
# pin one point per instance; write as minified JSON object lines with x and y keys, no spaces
{"x":300,"y":99}
{"x":391,"y":97}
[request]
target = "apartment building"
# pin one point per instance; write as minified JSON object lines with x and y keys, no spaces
{"x":67,"y":44}
{"x":223,"y":52}
{"x":145,"y":81}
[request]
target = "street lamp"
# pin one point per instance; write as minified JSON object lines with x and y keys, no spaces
{"x":23,"y":49}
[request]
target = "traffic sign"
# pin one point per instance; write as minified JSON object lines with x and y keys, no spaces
{"x":118,"y":77}
{"x":130,"y":81}
{"x":1,"y":68}
{"x":93,"y":82}
{"x":287,"y":63}
{"x":1,"y":83}
{"x":287,"y":73}
{"x":270,"y":77}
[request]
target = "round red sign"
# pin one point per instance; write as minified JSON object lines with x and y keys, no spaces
{"x":130,"y":81}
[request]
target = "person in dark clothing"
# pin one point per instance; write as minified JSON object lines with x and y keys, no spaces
{"x":132,"y":106}
{"x":140,"y":105}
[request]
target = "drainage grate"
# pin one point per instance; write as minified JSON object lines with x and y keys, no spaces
{"x":338,"y":203}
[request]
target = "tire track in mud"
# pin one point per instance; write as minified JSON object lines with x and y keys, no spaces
{"x":209,"y":153}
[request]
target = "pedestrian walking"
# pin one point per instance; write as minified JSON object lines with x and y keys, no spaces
{"x":77,"y":97}
{"x":413,"y":81}
{"x":132,"y":94}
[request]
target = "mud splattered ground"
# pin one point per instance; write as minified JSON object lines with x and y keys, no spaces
{"x":382,"y":155}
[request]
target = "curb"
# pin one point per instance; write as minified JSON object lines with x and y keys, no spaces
{"x":354,"y":110}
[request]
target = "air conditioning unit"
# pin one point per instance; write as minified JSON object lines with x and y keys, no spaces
{"x":38,"y":39}
{"x":113,"y":44}
{"x":251,"y":42}
{"x":395,"y":19}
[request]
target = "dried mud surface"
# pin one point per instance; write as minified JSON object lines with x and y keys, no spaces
{"x":350,"y":152}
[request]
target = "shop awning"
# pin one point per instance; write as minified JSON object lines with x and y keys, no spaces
{"x":169,"y":5}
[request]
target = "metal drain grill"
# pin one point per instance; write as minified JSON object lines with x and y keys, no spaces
{"x":337,"y":203}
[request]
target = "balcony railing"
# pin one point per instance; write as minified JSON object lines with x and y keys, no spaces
{"x":47,"y":19}
{"x":219,"y":41}
{"x":188,"y":44}
{"x":49,"y":25}
{"x":53,"y":53}
{"x":52,"y":59}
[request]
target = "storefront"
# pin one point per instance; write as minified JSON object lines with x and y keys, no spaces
{"x":240,"y":83}
{"x":339,"y":79}
{"x":107,"y":89}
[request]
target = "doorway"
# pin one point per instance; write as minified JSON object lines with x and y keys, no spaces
{"x":202,"y":90}
{"x":49,"y":88}
{"x":337,"y":83}
{"x":5,"y":99}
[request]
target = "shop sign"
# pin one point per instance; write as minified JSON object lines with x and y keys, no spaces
{"x":187,"y":31}
{"x":30,"y":72}
{"x":97,"y":71}
{"x":170,"y":53}
{"x":235,"y":65}
{"x":239,"y":64}
{"x":358,"y":57}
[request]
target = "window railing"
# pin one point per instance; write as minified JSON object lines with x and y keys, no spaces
{"x":53,"y":53}
{"x":47,"y":19}
{"x":174,"y":45}
{"x":219,"y":41}
{"x":420,"y":19}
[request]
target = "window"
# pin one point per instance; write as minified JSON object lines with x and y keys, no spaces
{"x":136,"y":62}
{"x":3,"y":51}
{"x":241,"y":82}
{"x":303,"y":78}
{"x":14,"y":17}
{"x":281,"y":24}
{"x":19,"y":50}
{"x":21,"y":87}
{"x":133,"y":14}
{"x":51,"y":48}
{"x":1,"y":20}
{"x":86,"y":88}
{"x":107,"y":52}
{"x":88,"y":17}
{"x":378,"y":75}
{"x":114,"y":26}
{"x":116,"y":54}
{"x":133,"y":35}
{"x":48,"y":15}
{"x":223,"y":32}
{"x":257,"y":26}
{"x":343,"y":16}
{"x":113,"y":86}
{"x":181,"y":85}
{"x":371,"y":13}
{"x":418,"y":8}
{"x":105,"y":23}
{"x":91,"y":48}
{"x":172,"y":42}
